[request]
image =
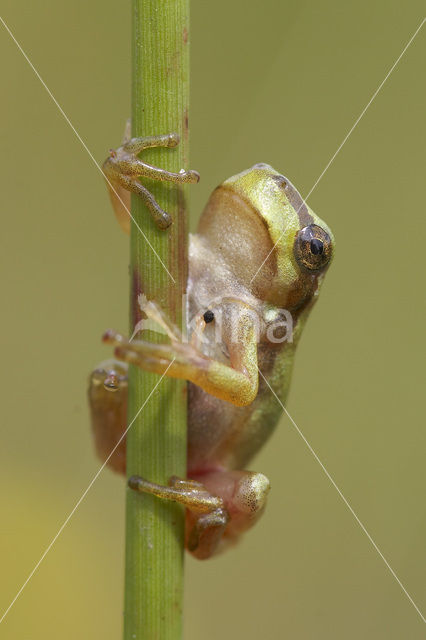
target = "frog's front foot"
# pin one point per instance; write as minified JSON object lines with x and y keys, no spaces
{"x":123,"y":168}
{"x":184,"y":361}
{"x":236,"y":382}
{"x":177,"y":359}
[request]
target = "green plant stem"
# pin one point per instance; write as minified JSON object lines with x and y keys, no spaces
{"x":156,"y":443}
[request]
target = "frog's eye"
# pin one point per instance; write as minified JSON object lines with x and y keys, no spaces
{"x":312,"y":248}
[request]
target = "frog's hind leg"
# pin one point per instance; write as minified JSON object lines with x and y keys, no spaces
{"x":219,"y":509}
{"x":206,"y":516}
{"x":108,"y":408}
{"x":244,"y":494}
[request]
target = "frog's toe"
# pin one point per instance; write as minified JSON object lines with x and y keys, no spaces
{"x":190,"y":176}
{"x":205,"y":534}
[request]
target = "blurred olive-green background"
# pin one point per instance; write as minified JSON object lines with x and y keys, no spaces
{"x":271,"y":82}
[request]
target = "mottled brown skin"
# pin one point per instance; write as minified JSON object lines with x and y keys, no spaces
{"x":250,"y":263}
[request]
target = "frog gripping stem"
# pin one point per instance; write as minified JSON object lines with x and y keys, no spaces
{"x":122,"y":169}
{"x":207,"y":517}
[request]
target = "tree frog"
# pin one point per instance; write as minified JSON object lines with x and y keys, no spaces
{"x":256,"y":264}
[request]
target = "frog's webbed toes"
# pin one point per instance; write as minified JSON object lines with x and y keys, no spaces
{"x":219,"y":508}
{"x":123,"y":168}
{"x":175,"y":358}
{"x":236,"y":382}
{"x":206,"y":519}
{"x":204,"y":537}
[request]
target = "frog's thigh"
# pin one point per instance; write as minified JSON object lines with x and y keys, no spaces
{"x":108,"y":408}
{"x":243,"y":497}
{"x":244,"y":494}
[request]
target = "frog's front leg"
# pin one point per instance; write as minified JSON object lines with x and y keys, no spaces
{"x":236,"y":383}
{"x":123,"y":168}
{"x":219,"y":509}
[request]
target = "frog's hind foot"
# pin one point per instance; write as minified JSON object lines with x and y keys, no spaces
{"x":123,"y":168}
{"x":219,"y":509}
{"x":192,"y":494}
{"x":206,"y":516}
{"x":205,"y":534}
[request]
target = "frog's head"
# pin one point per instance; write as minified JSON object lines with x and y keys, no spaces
{"x":277,"y":245}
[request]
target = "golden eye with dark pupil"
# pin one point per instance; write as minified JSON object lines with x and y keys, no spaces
{"x":312,"y":247}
